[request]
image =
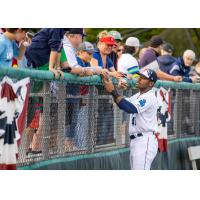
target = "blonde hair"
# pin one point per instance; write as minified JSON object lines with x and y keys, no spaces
{"x":102,"y":34}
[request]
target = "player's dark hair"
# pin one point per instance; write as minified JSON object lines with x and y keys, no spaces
{"x":130,"y":50}
{"x":13,"y":30}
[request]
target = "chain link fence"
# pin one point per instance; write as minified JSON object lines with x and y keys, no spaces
{"x":67,"y":118}
{"x":71,"y":119}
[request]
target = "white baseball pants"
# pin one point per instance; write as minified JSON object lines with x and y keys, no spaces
{"x":143,"y":150}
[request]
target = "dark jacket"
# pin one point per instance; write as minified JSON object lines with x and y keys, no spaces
{"x":45,"y":41}
{"x":166,"y":62}
{"x":179,"y":69}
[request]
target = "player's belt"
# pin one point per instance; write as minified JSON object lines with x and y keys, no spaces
{"x":132,"y":137}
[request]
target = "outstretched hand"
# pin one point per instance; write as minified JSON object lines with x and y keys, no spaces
{"x":178,"y":78}
{"x":122,"y":83}
{"x":107,"y":82}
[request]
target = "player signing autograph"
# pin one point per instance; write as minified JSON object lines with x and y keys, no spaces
{"x":142,"y":108}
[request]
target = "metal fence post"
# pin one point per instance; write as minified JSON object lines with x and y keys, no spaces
{"x":178,"y":113}
{"x":46,"y":119}
{"x":92,"y":113}
{"x":61,"y":117}
{"x":118,"y":124}
{"x":194,"y":110}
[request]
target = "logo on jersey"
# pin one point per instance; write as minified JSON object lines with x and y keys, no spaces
{"x":142,"y":102}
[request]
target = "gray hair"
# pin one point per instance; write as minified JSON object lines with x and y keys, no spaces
{"x":189,"y":54}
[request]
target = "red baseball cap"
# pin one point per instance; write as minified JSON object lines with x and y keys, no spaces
{"x":108,"y":40}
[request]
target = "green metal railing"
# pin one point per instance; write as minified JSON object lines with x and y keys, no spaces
{"x":93,"y":80}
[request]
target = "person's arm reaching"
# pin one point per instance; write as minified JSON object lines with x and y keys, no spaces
{"x":52,"y":61}
{"x":164,"y":76}
{"x":122,"y":103}
{"x":114,"y":73}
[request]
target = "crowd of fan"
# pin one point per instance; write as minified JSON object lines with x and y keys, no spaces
{"x":64,"y":51}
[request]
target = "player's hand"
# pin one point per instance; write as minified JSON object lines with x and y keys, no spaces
{"x":107,"y":83}
{"x":178,"y":78}
{"x":122,"y":84}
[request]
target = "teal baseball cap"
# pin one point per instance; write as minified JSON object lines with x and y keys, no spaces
{"x":116,"y":35}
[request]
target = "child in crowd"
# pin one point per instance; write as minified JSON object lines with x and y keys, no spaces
{"x":84,"y":56}
{"x":12,"y":45}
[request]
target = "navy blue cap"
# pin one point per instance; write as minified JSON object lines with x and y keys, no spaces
{"x":149,"y":74}
{"x":156,"y":41}
{"x":168,"y":47}
{"x":77,"y":31}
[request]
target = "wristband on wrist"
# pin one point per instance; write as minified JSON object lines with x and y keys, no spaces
{"x":115,"y":94}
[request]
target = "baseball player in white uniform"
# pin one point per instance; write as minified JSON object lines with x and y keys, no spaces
{"x":142,"y":108}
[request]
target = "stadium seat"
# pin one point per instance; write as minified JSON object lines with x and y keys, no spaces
{"x":194,"y":154}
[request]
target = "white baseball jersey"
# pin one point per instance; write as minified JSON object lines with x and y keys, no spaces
{"x":146,"y":118}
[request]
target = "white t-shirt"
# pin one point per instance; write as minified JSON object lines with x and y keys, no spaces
{"x":126,"y":62}
{"x":70,"y":52}
{"x":146,"y":118}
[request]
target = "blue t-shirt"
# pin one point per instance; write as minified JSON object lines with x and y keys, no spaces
{"x":45,"y":41}
{"x":97,"y":56}
{"x":82,"y":63}
{"x":8,"y":51}
{"x":75,"y":89}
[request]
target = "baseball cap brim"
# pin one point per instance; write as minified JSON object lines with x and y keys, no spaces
{"x":142,"y":75}
{"x":90,"y":51}
{"x":111,"y":43}
{"x":118,"y":39}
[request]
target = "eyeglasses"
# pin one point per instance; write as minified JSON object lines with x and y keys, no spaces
{"x":118,"y":50}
